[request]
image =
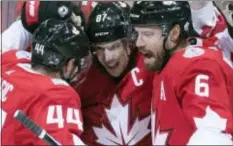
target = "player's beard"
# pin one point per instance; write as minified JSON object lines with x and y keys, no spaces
{"x":155,"y":62}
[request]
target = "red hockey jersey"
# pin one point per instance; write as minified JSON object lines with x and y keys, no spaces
{"x":87,"y":7}
{"x":193,"y":99}
{"x":50,"y":102}
{"x":117,"y":114}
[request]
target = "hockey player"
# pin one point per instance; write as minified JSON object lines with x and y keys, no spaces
{"x":116,"y":95}
{"x":193,"y":93}
{"x":60,"y":51}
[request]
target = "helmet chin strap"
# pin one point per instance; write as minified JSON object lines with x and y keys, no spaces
{"x":71,"y":75}
{"x":166,"y":28}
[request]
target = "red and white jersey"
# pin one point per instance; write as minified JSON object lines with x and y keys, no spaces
{"x":207,"y":20}
{"x":87,"y":7}
{"x":117,"y":114}
{"x":50,"y":102}
{"x":11,"y":58}
{"x":210,"y":24}
{"x":222,"y":40}
{"x":193,"y":101}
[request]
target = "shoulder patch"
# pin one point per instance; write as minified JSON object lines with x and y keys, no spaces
{"x":57,"y":81}
{"x":23,"y":54}
{"x":192,"y":52}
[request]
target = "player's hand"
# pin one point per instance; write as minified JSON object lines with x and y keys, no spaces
{"x":35,"y":12}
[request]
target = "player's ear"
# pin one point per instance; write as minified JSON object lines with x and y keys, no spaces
{"x":175,"y":33}
{"x":71,"y":65}
{"x":173,"y":37}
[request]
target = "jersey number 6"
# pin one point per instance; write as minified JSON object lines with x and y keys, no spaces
{"x":201,"y":85}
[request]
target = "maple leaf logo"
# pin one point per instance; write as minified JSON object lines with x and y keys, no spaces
{"x":153,"y":123}
{"x":212,"y":122}
{"x":158,"y":138}
{"x":118,"y":116}
{"x":192,"y":52}
{"x":211,"y":119}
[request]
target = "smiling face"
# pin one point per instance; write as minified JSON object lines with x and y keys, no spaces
{"x":114,"y":56}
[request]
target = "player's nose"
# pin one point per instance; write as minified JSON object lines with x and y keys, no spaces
{"x":108,"y":55}
{"x":140,"y":43}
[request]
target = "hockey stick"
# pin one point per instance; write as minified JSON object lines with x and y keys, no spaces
{"x":36,"y":129}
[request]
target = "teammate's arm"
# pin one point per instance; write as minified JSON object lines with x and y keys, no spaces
{"x":15,"y":37}
{"x":207,"y":20}
{"x":18,"y":35}
{"x":58,"y":111}
{"x":204,"y":93}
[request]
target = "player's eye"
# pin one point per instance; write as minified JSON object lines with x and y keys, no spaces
{"x":116,"y":46}
{"x":98,"y":48}
{"x":147,"y":33}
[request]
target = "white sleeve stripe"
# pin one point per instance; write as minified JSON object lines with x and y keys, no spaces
{"x":77,"y":140}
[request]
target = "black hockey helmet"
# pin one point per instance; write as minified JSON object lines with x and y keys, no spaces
{"x":55,"y":42}
{"x":109,"y":21}
{"x":163,"y":13}
{"x":60,"y":10}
